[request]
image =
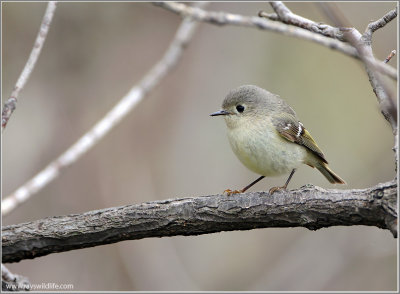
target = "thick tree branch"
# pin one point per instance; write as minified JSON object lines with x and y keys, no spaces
{"x":310,"y":207}
{"x":11,"y":103}
{"x":108,"y":122}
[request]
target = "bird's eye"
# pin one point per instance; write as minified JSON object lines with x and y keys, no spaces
{"x":240,"y":108}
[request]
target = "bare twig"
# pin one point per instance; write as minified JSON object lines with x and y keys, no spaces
{"x":13,"y":282}
{"x":385,"y":95}
{"x":270,"y":16}
{"x":317,"y":32}
{"x":367,"y":40}
{"x":309,"y":207}
{"x":223,"y":18}
{"x":390,"y":56}
{"x":287,"y":16}
{"x":363,"y":45}
{"x":11,"y":103}
{"x":382,"y":90}
{"x":382,"y":68}
{"x":373,"y":67}
{"x":380,"y":23}
{"x":110,"y":120}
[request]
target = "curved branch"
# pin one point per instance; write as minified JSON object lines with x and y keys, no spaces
{"x":380,"y":23}
{"x":11,"y":103}
{"x":285,"y":15}
{"x":362,"y":43}
{"x":108,"y":122}
{"x":223,"y":18}
{"x":300,"y":28}
{"x":309,"y":207}
{"x":386,"y":97}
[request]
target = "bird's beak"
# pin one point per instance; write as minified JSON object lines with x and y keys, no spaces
{"x":220,"y":112}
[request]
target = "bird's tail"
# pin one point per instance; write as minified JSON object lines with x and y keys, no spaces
{"x":329,"y":174}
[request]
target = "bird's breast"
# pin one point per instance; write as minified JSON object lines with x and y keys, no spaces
{"x":264,"y":151}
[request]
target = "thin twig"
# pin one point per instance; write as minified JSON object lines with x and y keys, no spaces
{"x":11,"y":103}
{"x":6,"y":274}
{"x":308,"y":207}
{"x":288,"y":17}
{"x":270,"y":16}
{"x":316,"y":33}
{"x":13,"y":282}
{"x":382,"y":90}
{"x":223,"y":18}
{"x":380,"y":23}
{"x":390,"y":56}
{"x":383,"y":68}
{"x":373,"y":67}
{"x":108,"y":122}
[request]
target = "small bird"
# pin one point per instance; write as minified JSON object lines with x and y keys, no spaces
{"x":267,"y":137}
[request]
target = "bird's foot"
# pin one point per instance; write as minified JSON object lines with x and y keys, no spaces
{"x":229,"y":192}
{"x":274,"y":189}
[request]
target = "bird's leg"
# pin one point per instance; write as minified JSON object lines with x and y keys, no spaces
{"x":230,"y":192}
{"x":274,"y":189}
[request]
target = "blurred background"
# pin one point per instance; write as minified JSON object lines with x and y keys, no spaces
{"x":170,"y":147}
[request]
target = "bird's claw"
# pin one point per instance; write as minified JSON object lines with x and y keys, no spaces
{"x":229,"y":192}
{"x":274,"y":189}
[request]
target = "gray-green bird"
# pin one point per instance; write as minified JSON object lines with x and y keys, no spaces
{"x":267,"y":137}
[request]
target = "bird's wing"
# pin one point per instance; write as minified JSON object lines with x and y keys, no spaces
{"x":291,"y":129}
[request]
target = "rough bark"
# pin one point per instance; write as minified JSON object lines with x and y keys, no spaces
{"x":310,"y":207}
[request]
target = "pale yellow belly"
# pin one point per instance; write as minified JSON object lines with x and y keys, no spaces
{"x":266,"y":153}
